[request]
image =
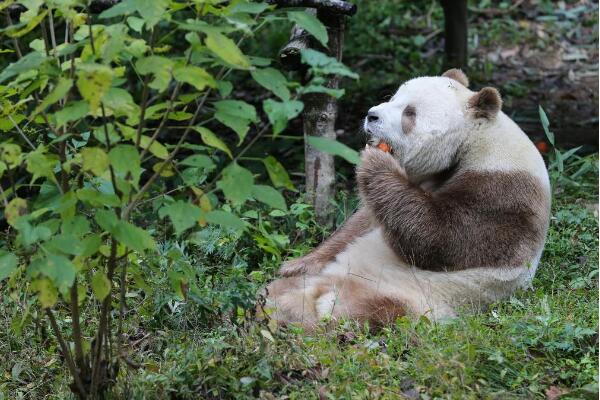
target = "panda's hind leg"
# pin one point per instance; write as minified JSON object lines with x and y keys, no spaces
{"x":306,"y":300}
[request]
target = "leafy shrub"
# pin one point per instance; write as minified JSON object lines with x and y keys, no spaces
{"x":139,"y":115}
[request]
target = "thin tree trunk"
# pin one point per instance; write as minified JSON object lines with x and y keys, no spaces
{"x":455,"y":22}
{"x":320,"y":114}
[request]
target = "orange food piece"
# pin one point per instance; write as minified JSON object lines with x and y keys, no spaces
{"x":383,"y":146}
{"x":543,"y":147}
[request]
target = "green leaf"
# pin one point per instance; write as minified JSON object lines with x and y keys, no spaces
{"x":135,"y":23}
{"x":546,"y":125}
{"x":8,"y":263}
{"x":237,"y":183}
{"x":10,"y":153}
{"x":125,"y":160}
{"x":133,"y":237}
{"x":119,"y":101}
{"x":96,"y":198}
{"x":90,"y":245}
{"x":60,"y":270}
{"x":29,"y":62}
{"x":323,"y":64}
{"x":226,"y":49}
{"x":106,"y":219}
{"x":249,"y":7}
{"x":195,"y":76}
{"x":225,"y":219}
{"x":65,"y":243}
{"x":40,"y":164}
{"x":122,"y":8}
{"x":332,"y":146}
{"x":273,"y":80}
{"x":198,"y":161}
{"x":35,"y":21}
{"x":15,"y":208}
{"x":94,"y":160}
{"x":279,"y":113}
{"x":46,"y":291}
{"x":156,"y":148}
{"x":314,"y":88}
{"x":183,"y":215}
{"x":60,"y":90}
{"x":210,"y":139}
{"x":71,"y":112}
{"x":311,"y":24}
{"x":159,"y":67}
{"x":151,"y":11}
{"x":100,"y":285}
{"x":126,"y":233}
{"x":270,"y":196}
{"x":237,"y":115}
{"x":277,"y":173}
{"x":93,"y":81}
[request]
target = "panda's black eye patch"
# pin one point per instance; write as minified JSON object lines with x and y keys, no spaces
{"x":409,"y":116}
{"x":410,"y":111}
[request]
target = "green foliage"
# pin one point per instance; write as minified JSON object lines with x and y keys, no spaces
{"x":114,"y":121}
{"x":135,"y":173}
{"x":334,"y":147}
{"x":567,"y":167}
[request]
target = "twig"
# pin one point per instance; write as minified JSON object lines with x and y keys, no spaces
{"x":77,"y":338}
{"x":21,"y":132}
{"x":335,"y":6}
{"x":142,"y":191}
{"x":4,"y":200}
{"x":66,"y":353}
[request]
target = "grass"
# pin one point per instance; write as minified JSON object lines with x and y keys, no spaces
{"x":539,"y":340}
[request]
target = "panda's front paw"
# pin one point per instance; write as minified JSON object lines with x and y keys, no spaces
{"x":376,"y":169}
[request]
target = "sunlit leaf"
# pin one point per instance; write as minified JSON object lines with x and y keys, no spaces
{"x":60,"y":90}
{"x":93,"y":81}
{"x":226,"y":49}
{"x":156,"y":148}
{"x":46,"y":291}
{"x":95,"y":160}
{"x":100,"y":285}
{"x":277,"y":173}
{"x":195,"y":76}
{"x":35,"y":21}
{"x":210,"y":139}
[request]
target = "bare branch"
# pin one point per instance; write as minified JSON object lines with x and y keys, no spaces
{"x":334,"y":6}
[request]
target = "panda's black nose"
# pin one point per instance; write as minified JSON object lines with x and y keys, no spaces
{"x":372,"y":116}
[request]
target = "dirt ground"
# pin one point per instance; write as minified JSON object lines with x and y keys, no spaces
{"x":563,"y":77}
{"x":534,"y":55}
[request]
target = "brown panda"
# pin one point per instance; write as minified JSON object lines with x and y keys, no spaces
{"x":455,"y":215}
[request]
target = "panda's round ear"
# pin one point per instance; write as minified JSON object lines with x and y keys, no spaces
{"x":486,"y":103}
{"x":457,"y":75}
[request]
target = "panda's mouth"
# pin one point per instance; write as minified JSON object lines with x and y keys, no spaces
{"x":380,"y":144}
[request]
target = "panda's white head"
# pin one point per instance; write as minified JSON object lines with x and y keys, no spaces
{"x":428,"y":119}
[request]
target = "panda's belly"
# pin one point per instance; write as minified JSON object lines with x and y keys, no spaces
{"x":370,"y":260}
